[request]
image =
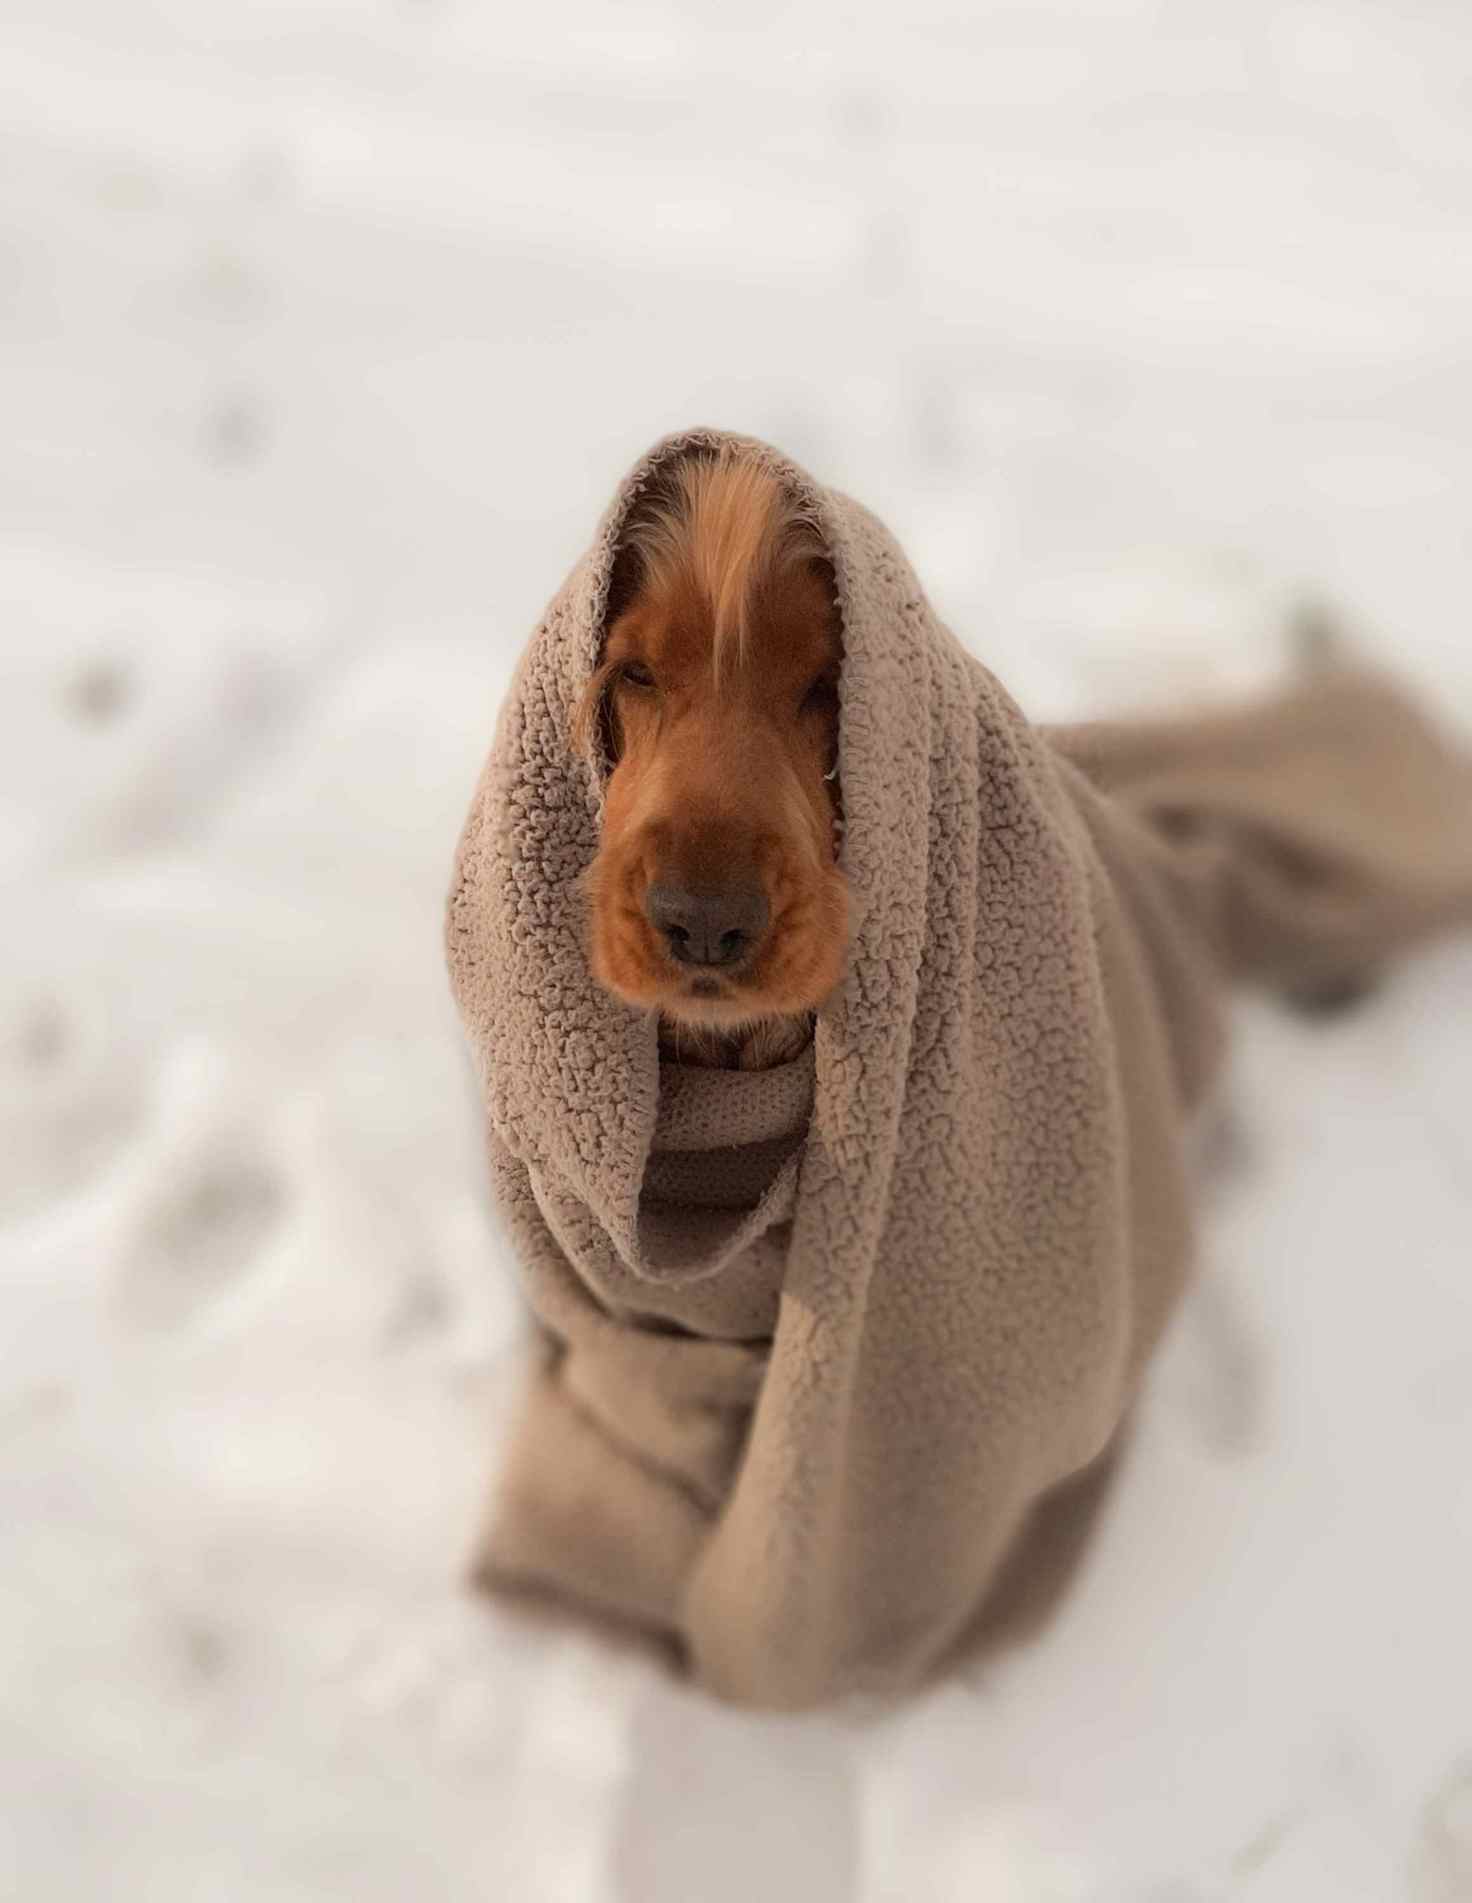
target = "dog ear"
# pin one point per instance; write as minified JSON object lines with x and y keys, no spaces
{"x":623,"y":584}
{"x":595,"y":723}
{"x":821,"y":570}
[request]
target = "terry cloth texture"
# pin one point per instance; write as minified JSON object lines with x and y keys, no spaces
{"x":825,"y":1342}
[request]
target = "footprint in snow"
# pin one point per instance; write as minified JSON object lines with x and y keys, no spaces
{"x":1442,"y":1859}
{"x":202,"y":1238}
{"x":70,"y":1099}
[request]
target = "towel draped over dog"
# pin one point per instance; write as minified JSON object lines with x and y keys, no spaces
{"x":823,"y":1339}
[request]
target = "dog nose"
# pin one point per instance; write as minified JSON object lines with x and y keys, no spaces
{"x":707,"y":928}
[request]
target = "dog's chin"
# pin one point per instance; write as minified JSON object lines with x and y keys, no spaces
{"x":706,"y":1001}
{"x":709,"y":1000}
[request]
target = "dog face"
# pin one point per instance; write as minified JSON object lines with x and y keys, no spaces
{"x":715,"y":896}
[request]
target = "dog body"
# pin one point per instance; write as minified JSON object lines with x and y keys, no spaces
{"x":838,"y":1122}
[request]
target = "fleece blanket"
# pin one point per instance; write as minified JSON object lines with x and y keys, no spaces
{"x":825,"y":1346}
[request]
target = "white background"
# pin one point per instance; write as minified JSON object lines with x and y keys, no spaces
{"x":325,"y":331}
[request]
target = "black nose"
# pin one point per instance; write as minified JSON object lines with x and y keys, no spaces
{"x":707,"y":928}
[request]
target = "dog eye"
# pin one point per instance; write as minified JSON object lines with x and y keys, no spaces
{"x":635,"y":674}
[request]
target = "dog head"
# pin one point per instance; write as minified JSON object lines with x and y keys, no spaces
{"x":715,"y":894}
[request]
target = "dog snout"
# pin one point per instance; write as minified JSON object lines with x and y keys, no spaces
{"x":708,"y":928}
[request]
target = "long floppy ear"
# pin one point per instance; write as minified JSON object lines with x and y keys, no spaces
{"x":595,"y":727}
{"x":820,"y":568}
{"x":623,"y":582}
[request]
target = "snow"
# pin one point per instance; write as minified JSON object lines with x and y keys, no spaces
{"x":325,"y":329}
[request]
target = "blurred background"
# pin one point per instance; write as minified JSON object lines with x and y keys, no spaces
{"x":326,"y":330}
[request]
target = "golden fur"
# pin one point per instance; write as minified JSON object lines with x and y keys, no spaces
{"x":716,"y":699}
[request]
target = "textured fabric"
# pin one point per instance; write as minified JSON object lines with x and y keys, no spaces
{"x":823,"y":1342}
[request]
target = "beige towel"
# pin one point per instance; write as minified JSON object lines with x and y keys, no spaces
{"x":821,"y":1341}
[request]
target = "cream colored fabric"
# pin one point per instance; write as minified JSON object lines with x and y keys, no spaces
{"x":821,"y":1340}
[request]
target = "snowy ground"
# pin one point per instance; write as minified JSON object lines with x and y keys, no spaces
{"x":325,"y":329}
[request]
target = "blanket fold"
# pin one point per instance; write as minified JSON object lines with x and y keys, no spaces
{"x":822,"y":1340}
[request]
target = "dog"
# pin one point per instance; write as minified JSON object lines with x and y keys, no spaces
{"x":716,"y":897}
{"x":841,"y":1032}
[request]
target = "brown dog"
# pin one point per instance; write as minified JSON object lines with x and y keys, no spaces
{"x":715,"y":896}
{"x":825,"y":1344}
